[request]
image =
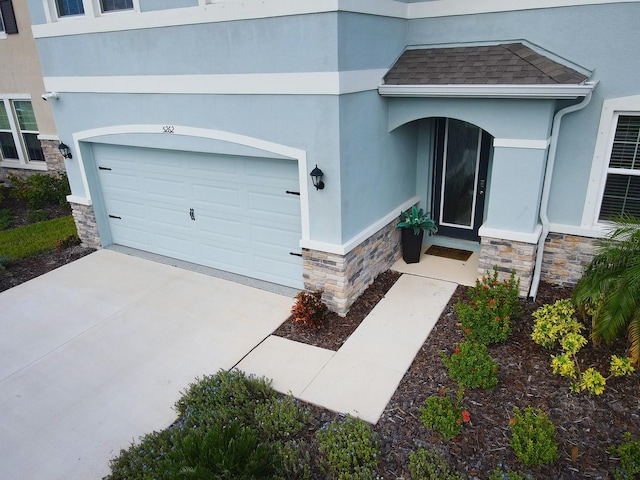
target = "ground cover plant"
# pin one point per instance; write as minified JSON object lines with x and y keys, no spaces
{"x":28,"y":248}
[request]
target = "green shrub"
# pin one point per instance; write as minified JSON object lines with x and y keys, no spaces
{"x":493,"y":304}
{"x":553,"y":322}
{"x":6,"y":218}
{"x":146,"y":459}
{"x":280,"y":417}
{"x":309,"y":309}
{"x":294,"y":460}
{"x":471,"y":366}
{"x":349,"y":449}
{"x":533,"y":437}
{"x":444,"y":416}
{"x":629,"y":454}
{"x":556,"y":324}
{"x":503,"y":472}
{"x":223,"y":397}
{"x":221,"y":452}
{"x":431,"y":465}
{"x":35,"y":216}
{"x":41,"y":190}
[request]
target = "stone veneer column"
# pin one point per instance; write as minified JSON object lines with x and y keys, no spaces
{"x":344,"y":277}
{"x":565,"y":258}
{"x":55,"y":162}
{"x":508,"y":255}
{"x":86,"y":224}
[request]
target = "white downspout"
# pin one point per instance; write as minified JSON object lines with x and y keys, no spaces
{"x":546,"y":189}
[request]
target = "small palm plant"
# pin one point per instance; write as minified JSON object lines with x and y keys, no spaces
{"x":609,"y":289}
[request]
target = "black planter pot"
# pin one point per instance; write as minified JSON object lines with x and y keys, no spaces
{"x":411,"y":245}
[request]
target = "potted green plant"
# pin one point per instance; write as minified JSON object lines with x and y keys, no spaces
{"x":413,"y":224}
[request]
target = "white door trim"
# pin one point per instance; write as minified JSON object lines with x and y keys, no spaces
{"x":293,"y":153}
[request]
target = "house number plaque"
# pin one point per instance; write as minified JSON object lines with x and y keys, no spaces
{"x":168,"y":129}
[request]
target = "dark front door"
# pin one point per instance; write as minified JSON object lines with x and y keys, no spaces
{"x":460,"y":178}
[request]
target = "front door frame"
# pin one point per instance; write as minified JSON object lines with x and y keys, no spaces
{"x":480,"y":182}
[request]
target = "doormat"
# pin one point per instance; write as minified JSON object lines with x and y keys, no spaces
{"x":446,"y":252}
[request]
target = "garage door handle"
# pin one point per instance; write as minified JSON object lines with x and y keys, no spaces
{"x":292,"y":193}
{"x":192,"y":214}
{"x":104,"y":168}
{"x":295,"y":254}
{"x":113,"y":216}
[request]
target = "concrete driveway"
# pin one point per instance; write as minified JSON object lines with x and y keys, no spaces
{"x":94,"y":355}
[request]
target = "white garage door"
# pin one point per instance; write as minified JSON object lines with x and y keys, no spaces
{"x":227,"y":212}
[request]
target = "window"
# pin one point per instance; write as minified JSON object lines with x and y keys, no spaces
{"x":8,"y":22}
{"x":19,"y":132}
{"x":69,"y":7}
{"x":113,"y":5}
{"x":622,"y":188}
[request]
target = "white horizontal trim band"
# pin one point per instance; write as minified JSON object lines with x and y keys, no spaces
{"x":78,"y":200}
{"x":254,"y":9}
{"x":552,"y":91}
{"x":311,"y":83}
{"x":49,"y":137}
{"x":521,"y":143}
{"x":511,"y":235}
{"x":360,"y":237}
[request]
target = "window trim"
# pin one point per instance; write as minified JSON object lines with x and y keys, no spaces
{"x":611,"y":110}
{"x":91,"y":10}
{"x":23,"y":160}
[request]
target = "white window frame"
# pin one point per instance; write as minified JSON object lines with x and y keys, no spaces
{"x":3,"y":33}
{"x":91,"y":10}
{"x":23,"y":158}
{"x":611,"y":110}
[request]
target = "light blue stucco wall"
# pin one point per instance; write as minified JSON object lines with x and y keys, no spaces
{"x":303,"y":43}
{"x":377,"y":168}
{"x":149,"y":5}
{"x":307,"y":123}
{"x":602,"y":38}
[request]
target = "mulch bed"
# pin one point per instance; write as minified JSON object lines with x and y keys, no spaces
{"x":585,"y":425}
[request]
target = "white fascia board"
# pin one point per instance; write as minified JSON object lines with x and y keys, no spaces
{"x":305,"y":83}
{"x":49,"y":137}
{"x":79,"y":200}
{"x":513,"y":236}
{"x":552,"y":91}
{"x":352,"y":243}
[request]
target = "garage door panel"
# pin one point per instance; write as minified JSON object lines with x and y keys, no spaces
{"x":226,"y":212}
{"x":217,"y":196}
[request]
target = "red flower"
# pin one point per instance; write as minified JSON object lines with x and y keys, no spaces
{"x":456,"y":351}
{"x":485,"y":287}
{"x":495,"y":282}
{"x":467,"y":330}
{"x":512,"y":421}
{"x":465,"y":416}
{"x":492,"y":301}
{"x":497,"y":319}
{"x":458,"y":421}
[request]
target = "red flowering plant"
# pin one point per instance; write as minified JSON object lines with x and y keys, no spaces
{"x":444,"y":416}
{"x":486,"y":317}
{"x":309,"y":309}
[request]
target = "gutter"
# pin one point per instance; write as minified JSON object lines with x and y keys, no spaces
{"x":546,"y":189}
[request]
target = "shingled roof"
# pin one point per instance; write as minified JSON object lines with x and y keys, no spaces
{"x":506,"y":64}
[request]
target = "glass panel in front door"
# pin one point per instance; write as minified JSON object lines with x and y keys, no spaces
{"x":460,"y":173}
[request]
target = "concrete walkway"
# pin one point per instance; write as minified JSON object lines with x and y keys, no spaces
{"x":362,"y":376}
{"x":94,"y":354}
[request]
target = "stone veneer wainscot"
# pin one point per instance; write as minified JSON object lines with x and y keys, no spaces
{"x":86,"y":224}
{"x":508,"y":255}
{"x":344,"y":277}
{"x":565,"y":258}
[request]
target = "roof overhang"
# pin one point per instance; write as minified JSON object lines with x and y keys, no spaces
{"x":546,"y":91}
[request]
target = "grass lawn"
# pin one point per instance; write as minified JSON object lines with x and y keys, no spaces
{"x":35,"y":238}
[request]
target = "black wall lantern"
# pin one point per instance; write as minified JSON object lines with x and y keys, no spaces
{"x":64,"y":150}
{"x":316,"y":176}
